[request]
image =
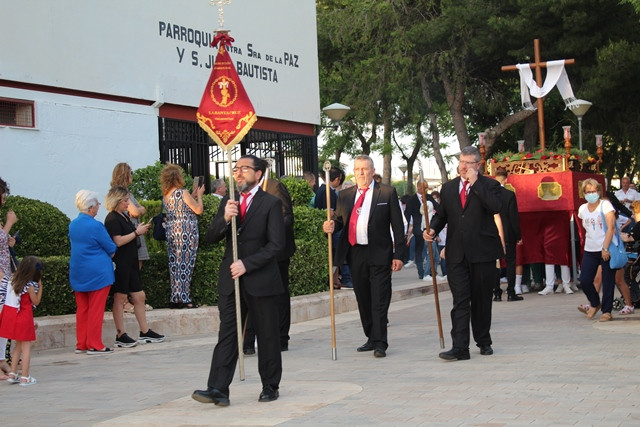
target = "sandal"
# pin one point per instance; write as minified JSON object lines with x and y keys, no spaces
{"x":27,"y":380}
{"x":128,"y":307}
{"x":584,"y":308}
{"x":592,"y":312}
{"x":147,"y":307}
{"x":605,"y":317}
{"x":13,"y":378}
{"x":627,"y":310}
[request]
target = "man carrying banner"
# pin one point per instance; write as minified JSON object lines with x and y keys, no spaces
{"x":259,"y":241}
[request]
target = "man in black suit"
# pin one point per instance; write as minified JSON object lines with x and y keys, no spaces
{"x":276,"y":188}
{"x":468,"y":204}
{"x":367,"y":212}
{"x":511,"y":229}
{"x":413,"y":215}
{"x":260,"y":239}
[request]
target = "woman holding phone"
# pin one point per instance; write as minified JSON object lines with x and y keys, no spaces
{"x":181,"y":208}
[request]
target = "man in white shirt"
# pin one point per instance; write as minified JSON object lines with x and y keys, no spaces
{"x":627,"y":195}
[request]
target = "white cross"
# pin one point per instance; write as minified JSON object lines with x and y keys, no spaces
{"x":220,"y":3}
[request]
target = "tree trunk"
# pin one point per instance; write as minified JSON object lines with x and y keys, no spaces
{"x":504,"y":124}
{"x":433,"y":128}
{"x":454,"y":92}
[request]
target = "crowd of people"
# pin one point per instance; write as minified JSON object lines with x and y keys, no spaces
{"x":470,"y":229}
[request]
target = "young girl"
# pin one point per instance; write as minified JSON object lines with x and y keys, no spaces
{"x":16,"y":319}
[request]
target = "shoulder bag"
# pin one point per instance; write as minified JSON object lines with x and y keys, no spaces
{"x":618,"y":255}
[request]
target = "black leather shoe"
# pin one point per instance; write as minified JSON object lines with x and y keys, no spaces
{"x":249,"y":351}
{"x":368,"y":346}
{"x":486,"y":350}
{"x":379,"y":352}
{"x":497,"y":297}
{"x":211,"y":395}
{"x":269,"y":394}
{"x":515,"y":297}
{"x":455,"y":354}
{"x":284,"y":347}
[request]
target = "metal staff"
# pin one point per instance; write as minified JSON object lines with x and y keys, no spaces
{"x":423,"y":193}
{"x":334,"y":353}
{"x":236,"y":281}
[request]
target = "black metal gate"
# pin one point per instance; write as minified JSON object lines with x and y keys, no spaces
{"x":186,"y":144}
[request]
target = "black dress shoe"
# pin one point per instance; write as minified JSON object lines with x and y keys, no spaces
{"x":269,"y":394}
{"x":284,"y":347}
{"x":211,"y":395}
{"x":379,"y":352}
{"x":368,"y":346}
{"x":249,"y":351}
{"x":515,"y":297}
{"x":455,"y":354}
{"x":497,"y":297}
{"x":486,"y":350}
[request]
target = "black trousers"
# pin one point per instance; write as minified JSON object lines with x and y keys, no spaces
{"x":372,"y":286}
{"x":510,"y":258}
{"x":284,"y":310}
{"x":471,"y":286}
{"x":264,"y":311}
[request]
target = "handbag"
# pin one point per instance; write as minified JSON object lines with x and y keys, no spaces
{"x":159,"y":232}
{"x":618,"y":255}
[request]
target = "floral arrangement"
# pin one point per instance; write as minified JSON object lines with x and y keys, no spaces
{"x":581,"y":156}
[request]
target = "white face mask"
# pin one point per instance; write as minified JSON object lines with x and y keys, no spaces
{"x":592,"y":197}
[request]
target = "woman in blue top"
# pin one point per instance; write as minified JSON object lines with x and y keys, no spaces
{"x":90,"y":272}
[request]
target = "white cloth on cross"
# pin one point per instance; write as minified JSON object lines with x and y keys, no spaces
{"x":556,"y":76}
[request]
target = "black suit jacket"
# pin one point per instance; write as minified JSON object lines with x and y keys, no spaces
{"x":278,"y":189}
{"x":260,"y":240}
{"x":472,"y":231}
{"x":385,"y":211}
{"x":509,"y":216}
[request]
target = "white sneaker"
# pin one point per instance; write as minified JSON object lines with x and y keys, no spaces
{"x":573,"y":287}
{"x":546,"y":291}
{"x":428,"y":278}
{"x":441,"y":278}
{"x":503,"y":280}
{"x":567,"y":289}
{"x":525,"y":289}
{"x":410,"y":263}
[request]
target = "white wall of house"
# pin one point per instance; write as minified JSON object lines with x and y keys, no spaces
{"x":75,"y":145}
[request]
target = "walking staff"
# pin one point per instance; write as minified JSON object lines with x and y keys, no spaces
{"x":334,"y":355}
{"x":431,"y":260}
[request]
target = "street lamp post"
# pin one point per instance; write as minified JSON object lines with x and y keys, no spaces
{"x":580,"y":107}
{"x":336,"y":112}
{"x":403,"y":169}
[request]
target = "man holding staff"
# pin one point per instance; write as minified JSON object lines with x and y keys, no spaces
{"x":468,"y":205}
{"x":260,"y":240}
{"x":367,"y":211}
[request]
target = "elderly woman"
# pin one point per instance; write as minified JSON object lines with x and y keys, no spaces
{"x":90,"y":272}
{"x":127,"y":275}
{"x":182,"y":232}
{"x":595,"y":215}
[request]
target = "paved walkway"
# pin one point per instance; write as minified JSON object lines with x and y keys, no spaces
{"x":551,"y":367}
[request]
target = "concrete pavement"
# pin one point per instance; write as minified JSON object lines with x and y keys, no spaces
{"x":551,"y":366}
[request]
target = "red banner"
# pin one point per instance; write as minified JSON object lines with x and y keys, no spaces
{"x":225,"y":111}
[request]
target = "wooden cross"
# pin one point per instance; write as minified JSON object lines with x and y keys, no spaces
{"x":538,"y":66}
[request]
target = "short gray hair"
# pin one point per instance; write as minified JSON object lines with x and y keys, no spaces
{"x":365,"y":157}
{"x":471,"y":151}
{"x":86,"y":199}
{"x":217,"y":183}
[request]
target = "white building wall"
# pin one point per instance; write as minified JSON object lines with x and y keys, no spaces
{"x":76,"y":144}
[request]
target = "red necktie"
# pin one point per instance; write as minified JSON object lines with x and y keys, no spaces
{"x":243,"y":205}
{"x":463,"y":193}
{"x":355,"y":213}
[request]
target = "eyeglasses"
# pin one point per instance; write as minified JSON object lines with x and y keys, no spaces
{"x":464,"y":162}
{"x":243,"y":169}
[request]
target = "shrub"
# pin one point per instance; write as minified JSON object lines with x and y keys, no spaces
{"x":299,"y":190}
{"x":44,"y":229}
{"x":146,"y":182}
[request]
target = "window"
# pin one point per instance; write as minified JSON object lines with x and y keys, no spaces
{"x":15,"y":112}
